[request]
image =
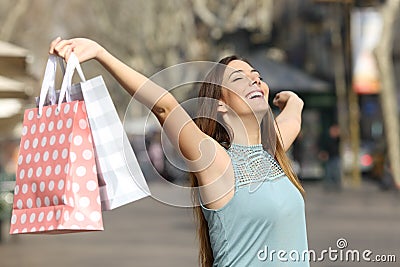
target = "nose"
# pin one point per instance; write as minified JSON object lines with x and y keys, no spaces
{"x":255,"y":80}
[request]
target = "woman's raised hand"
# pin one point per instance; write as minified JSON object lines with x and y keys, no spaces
{"x":84,"y":49}
{"x":282,"y":98}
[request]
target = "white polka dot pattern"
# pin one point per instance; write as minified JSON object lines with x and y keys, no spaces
{"x":57,"y":189}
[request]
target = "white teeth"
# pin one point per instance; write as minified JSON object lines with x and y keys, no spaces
{"x":254,"y":94}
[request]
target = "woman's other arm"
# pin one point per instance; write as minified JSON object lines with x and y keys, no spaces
{"x":289,"y":119}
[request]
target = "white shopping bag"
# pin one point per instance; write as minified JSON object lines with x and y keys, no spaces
{"x":121,"y":180}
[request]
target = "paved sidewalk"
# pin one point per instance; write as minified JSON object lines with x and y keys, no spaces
{"x":367,"y":218}
{"x":144,"y":233}
{"x":149,"y":233}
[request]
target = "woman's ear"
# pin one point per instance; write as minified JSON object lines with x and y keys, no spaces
{"x":222,"y":107}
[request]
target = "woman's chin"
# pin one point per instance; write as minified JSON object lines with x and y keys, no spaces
{"x":261,"y":111}
{"x":260,"y":106}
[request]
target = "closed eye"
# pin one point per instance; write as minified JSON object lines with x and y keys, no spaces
{"x":237,"y":79}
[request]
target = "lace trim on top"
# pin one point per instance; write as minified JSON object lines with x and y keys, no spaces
{"x":252,"y":164}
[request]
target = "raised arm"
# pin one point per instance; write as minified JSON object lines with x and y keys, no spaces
{"x":199,"y":149}
{"x":289,"y":119}
{"x":150,"y":94}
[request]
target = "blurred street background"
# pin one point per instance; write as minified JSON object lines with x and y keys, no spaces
{"x":340,"y":56}
{"x":150,"y":233}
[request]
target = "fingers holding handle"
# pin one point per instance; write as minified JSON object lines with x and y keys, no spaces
{"x":84,"y":49}
{"x":61,"y":48}
{"x":53,"y":45}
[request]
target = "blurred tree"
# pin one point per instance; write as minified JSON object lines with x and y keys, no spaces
{"x":147,"y":34}
{"x":16,"y":10}
{"x":390,"y":12}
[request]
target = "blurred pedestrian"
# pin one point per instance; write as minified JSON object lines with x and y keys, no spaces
{"x":386,"y":180}
{"x":224,"y":149}
{"x":155,"y":151}
{"x":333,"y":165}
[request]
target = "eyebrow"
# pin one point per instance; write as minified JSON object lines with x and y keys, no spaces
{"x":236,"y":71}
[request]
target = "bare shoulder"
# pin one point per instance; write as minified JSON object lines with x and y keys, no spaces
{"x":217,"y":180}
{"x":212,"y":160}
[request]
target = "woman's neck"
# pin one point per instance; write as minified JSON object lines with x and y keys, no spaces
{"x":245,"y":131}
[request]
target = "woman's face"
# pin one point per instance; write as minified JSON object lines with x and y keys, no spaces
{"x":243,"y":90}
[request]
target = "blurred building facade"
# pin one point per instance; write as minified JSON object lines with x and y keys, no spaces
{"x":293,"y":36}
{"x":15,"y":90}
{"x":16,"y":87}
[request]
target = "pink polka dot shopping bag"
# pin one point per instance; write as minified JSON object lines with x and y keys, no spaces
{"x":120,"y":177}
{"x":56,"y":180}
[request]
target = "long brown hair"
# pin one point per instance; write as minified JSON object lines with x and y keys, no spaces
{"x":209,"y":122}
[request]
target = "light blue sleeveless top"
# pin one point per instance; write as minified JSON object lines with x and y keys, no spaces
{"x":264,"y":223}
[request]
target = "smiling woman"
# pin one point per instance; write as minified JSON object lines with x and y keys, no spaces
{"x":232,"y":145}
{"x":232,"y":227}
{"x":242,"y":83}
